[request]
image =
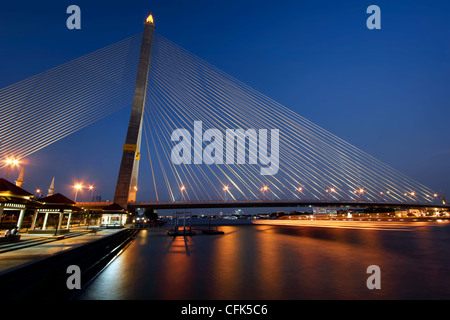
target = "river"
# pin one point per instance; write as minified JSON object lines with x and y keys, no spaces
{"x":281,"y":263}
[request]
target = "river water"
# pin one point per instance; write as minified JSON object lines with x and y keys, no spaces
{"x":281,"y":263}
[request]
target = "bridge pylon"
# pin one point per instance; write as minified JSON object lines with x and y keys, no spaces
{"x":126,"y":186}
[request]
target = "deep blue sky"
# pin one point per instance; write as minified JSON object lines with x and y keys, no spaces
{"x":385,"y":91}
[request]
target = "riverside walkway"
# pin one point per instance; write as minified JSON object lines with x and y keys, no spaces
{"x":34,"y":247}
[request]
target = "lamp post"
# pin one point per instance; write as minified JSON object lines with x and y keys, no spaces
{"x":361,"y":191}
{"x":225,"y":190}
{"x":331,"y":193}
{"x":413,"y":196}
{"x":182,"y":189}
{"x":77,"y":187}
{"x":264,"y":189}
{"x":299,"y":189}
{"x":91,"y":187}
{"x":11,"y":162}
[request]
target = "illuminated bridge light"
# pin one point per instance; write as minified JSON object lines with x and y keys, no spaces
{"x":149,"y":19}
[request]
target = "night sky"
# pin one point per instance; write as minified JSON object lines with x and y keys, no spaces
{"x":385,"y":91}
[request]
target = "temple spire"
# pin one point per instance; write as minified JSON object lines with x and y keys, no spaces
{"x":51,"y":188}
{"x":19,"y":180}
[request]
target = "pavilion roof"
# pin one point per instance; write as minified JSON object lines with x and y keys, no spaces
{"x":114,"y":207}
{"x":57,"y":198}
{"x":10,"y":189}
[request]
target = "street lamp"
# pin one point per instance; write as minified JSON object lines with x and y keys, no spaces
{"x":299,"y":189}
{"x":360,"y":192}
{"x":91,"y":187}
{"x":264,"y":189}
{"x":182,"y":188}
{"x":11,"y":162}
{"x":225,"y":189}
{"x":77,"y":187}
{"x":333,"y":190}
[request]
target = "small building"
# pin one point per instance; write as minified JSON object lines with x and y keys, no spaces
{"x":55,"y":204}
{"x":14,"y":198}
{"x":114,"y":216}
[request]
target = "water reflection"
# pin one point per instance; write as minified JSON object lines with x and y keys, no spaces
{"x":226,"y":264}
{"x":275,"y":262}
{"x":175,"y":274}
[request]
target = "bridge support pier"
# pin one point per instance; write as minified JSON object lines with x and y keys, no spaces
{"x":126,"y":187}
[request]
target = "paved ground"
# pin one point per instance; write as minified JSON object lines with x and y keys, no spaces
{"x":16,"y":258}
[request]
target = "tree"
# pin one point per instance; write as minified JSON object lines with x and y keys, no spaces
{"x":151,"y":215}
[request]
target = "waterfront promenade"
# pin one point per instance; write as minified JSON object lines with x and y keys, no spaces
{"x":32,"y":248}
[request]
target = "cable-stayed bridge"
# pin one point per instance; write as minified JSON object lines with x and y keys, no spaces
{"x":210,"y":140}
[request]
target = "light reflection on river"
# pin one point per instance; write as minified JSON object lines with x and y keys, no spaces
{"x":275,"y":262}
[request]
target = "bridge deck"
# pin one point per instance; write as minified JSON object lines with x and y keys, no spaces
{"x":263,"y":203}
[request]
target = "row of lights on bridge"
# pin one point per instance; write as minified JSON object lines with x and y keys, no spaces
{"x":14,"y":162}
{"x":361,"y":191}
{"x":300,"y":189}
